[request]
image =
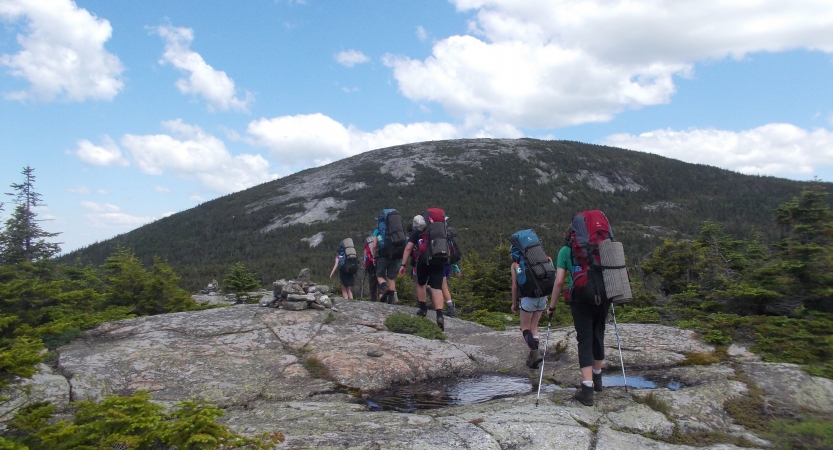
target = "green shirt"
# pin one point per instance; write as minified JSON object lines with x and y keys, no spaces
{"x":565,"y":261}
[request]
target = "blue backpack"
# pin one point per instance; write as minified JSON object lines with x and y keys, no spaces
{"x":535,"y":272}
{"x":390,"y":234}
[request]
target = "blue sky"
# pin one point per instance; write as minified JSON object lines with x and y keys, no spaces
{"x":132,"y":110}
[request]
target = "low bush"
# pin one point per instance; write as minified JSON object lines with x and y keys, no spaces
{"x":418,"y":326}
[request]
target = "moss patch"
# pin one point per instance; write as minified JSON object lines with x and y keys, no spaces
{"x":418,"y":326}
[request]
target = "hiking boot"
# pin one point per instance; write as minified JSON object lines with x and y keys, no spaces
{"x":597,"y":382}
{"x":584,"y":395}
{"x":422,"y":312}
{"x":441,"y":323}
{"x":450,"y":311}
{"x":536,"y":358}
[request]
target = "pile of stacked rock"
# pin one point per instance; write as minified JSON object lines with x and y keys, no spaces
{"x":298,"y":294}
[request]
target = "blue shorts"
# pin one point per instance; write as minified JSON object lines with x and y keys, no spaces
{"x":533,"y":304}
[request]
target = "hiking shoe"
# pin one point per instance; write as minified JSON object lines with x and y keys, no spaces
{"x":584,"y":395}
{"x":450,"y":311}
{"x":536,"y":358}
{"x":422,"y":312}
{"x":441,"y":323}
{"x":597,"y":382}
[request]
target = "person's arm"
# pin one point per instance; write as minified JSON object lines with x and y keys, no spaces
{"x":556,"y":289}
{"x":335,"y":266}
{"x":514,"y":290}
{"x":405,"y":256}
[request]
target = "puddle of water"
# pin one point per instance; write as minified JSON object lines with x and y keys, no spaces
{"x":433,"y":394}
{"x":640,"y":383}
{"x":449,"y":392}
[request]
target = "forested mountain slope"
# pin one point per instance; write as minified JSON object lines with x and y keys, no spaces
{"x":488,"y":187}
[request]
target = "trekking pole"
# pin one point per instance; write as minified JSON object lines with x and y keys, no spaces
{"x":619,"y":342}
{"x":543,"y":361}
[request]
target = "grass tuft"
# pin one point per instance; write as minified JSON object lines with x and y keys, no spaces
{"x":418,"y":326}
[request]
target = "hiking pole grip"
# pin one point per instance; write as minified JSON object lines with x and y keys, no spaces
{"x":619,"y":343}
{"x":543,"y":362}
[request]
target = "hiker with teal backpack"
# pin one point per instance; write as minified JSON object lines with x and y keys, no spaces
{"x":388,"y":242}
{"x":533,"y":275}
{"x":347,"y":263}
{"x":430,"y":239}
{"x":582,"y":271}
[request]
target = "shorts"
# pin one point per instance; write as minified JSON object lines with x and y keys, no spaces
{"x":430,"y":274}
{"x":534,"y":304}
{"x":447,"y":271}
{"x":347,"y":279}
{"x":387,"y":267}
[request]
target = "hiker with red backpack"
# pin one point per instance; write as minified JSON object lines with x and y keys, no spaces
{"x":430,"y":239}
{"x":370,"y":268}
{"x":581,"y":268}
{"x":533,"y":276}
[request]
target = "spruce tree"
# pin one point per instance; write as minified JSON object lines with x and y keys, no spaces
{"x":23,"y":240}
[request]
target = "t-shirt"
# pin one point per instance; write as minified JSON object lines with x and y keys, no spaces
{"x":565,"y":261}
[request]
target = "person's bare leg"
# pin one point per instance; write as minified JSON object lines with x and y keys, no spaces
{"x":437,"y":298}
{"x":420,"y":291}
{"x":446,"y":292}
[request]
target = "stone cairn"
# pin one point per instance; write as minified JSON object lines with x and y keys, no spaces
{"x":299,"y":294}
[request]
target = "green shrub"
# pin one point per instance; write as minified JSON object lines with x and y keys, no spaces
{"x":316,"y":368}
{"x":418,"y":326}
{"x":493,"y":320}
{"x":638,"y":315}
{"x":129,"y":422}
{"x":798,"y":434}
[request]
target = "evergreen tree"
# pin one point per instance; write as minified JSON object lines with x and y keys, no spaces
{"x":240,"y":280}
{"x":23,"y":240}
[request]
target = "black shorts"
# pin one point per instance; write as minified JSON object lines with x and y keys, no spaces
{"x":347,"y":280}
{"x":387,"y":267}
{"x":431,"y":274}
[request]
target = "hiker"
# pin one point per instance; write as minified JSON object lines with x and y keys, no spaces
{"x":347,"y":264}
{"x":533,"y":275}
{"x":430,"y":267}
{"x":589,"y":319}
{"x":388,"y":241}
{"x":370,"y":268}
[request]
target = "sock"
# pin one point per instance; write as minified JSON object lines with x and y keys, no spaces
{"x":423,"y":306}
{"x":449,"y":303}
{"x":587,"y":383}
{"x":395,"y":298}
{"x":528,"y":338}
{"x":439,"y":313}
{"x":383,"y":286}
{"x":597,"y":372}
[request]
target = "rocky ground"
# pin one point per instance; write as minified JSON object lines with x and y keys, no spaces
{"x":250,"y":360}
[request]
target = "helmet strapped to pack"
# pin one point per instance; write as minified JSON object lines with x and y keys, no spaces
{"x":390,"y":234}
{"x":433,"y":247}
{"x":348,"y":262}
{"x":535,"y":273}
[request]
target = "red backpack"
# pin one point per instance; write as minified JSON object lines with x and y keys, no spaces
{"x":433,"y":247}
{"x":589,"y":228}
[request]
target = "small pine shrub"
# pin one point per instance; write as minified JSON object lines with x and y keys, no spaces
{"x":316,"y":368}
{"x":418,"y":326}
{"x":493,"y":320}
{"x":638,"y":315}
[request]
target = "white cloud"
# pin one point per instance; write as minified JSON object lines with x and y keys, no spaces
{"x":101,"y":192}
{"x":316,"y":139}
{"x":196,"y":198}
{"x":161,"y":189}
{"x":421,"y":33}
{"x":107,"y":154}
{"x":79,"y":190}
{"x":773,"y":149}
{"x":551,"y":63}
{"x":217,"y":88}
{"x":63,"y":54}
{"x":193,"y":152}
{"x":116,"y":220}
{"x":99,"y":207}
{"x":350,"y":58}
{"x":168,"y":214}
{"x":349,"y":90}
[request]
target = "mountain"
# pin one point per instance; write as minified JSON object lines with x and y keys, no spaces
{"x":488,"y":187}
